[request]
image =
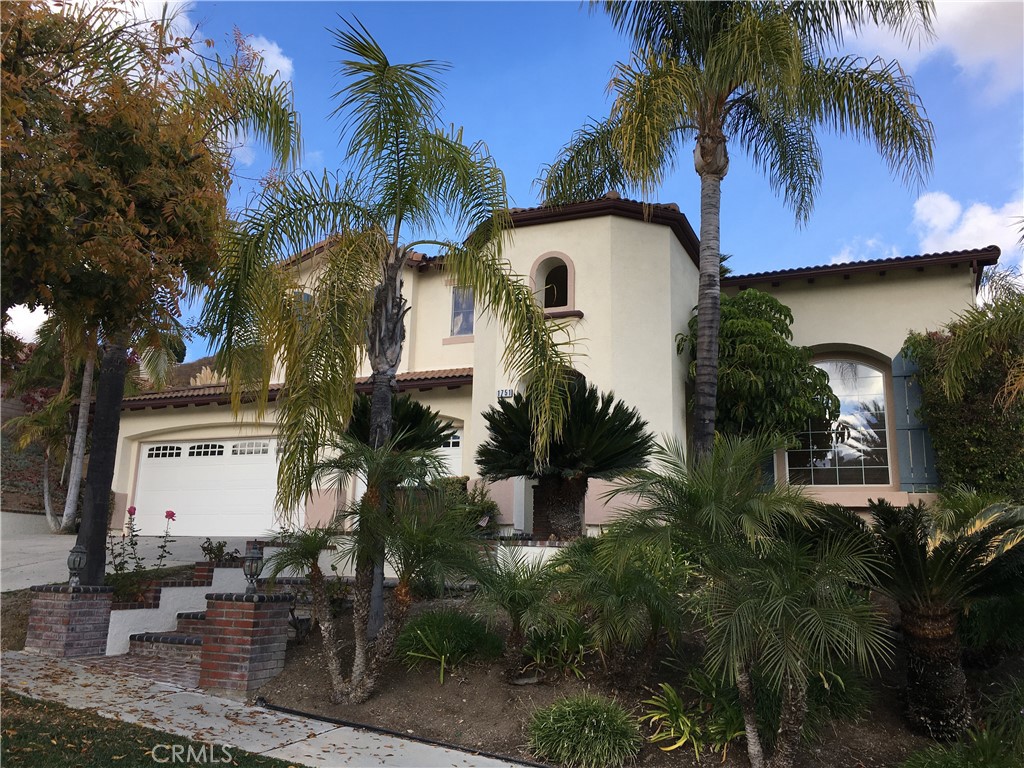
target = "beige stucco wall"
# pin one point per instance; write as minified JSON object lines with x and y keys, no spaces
{"x":867,"y":317}
{"x":871,"y":311}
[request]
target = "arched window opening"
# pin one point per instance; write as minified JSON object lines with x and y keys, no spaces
{"x":556,"y":287}
{"x":854,"y":448}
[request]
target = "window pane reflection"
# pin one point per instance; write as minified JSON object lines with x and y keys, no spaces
{"x":853,"y":449}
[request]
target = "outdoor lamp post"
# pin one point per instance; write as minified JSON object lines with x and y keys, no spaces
{"x":252,"y":566}
{"x":76,"y":562}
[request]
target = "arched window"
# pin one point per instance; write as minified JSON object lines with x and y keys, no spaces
{"x":552,"y":280}
{"x":854,"y":448}
{"x":556,"y":287}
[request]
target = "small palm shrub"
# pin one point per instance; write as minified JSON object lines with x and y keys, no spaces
{"x":560,"y":648}
{"x":446,"y":638}
{"x":585,"y":731}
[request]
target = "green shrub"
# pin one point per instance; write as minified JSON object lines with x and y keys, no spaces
{"x":558,"y":648}
{"x":992,"y":628}
{"x":978,"y":442}
{"x":585,"y":732}
{"x":446,"y":638}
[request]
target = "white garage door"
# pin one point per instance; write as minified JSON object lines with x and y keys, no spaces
{"x":451,"y":450}
{"x":215,"y":487}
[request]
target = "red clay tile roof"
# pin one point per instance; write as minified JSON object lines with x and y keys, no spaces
{"x":218,"y":394}
{"x":977,"y":258}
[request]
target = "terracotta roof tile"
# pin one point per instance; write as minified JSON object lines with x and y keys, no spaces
{"x":218,"y":394}
{"x":983,"y":257}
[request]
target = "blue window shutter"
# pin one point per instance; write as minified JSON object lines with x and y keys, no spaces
{"x":913,"y":443}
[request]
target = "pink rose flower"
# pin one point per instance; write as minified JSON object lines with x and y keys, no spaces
{"x":131,"y":511}
{"x":169,"y":514}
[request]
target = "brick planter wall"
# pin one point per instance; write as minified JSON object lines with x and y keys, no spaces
{"x":244,"y":641}
{"x":69,"y":621}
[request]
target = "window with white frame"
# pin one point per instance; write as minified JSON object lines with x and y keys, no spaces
{"x":251,"y":448}
{"x":462,"y":311}
{"x":854,"y":448}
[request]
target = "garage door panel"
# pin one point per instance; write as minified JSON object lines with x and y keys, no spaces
{"x":225,"y":488}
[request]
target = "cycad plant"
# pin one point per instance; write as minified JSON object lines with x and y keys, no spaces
{"x":601,"y":437}
{"x":777,"y":601}
{"x":942,"y":558}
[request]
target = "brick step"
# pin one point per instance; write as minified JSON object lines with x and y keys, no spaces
{"x":191,"y":623}
{"x":166,"y":645}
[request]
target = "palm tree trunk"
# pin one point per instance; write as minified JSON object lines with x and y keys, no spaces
{"x":561,"y":502}
{"x":936,"y":686}
{"x":329,"y":633}
{"x":791,"y":723}
{"x":360,"y":617}
{"x":106,"y":425}
{"x":386,"y":335}
{"x":51,"y":519}
{"x":711,"y":161}
{"x":78,"y":453}
{"x":384,"y":644}
{"x":747,"y":703}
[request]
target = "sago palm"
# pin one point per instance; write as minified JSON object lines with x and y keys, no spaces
{"x":776,"y":599}
{"x":942,"y":558}
{"x":757,"y":75}
{"x":601,"y":437}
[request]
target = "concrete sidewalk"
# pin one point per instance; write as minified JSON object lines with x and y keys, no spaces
{"x":31,"y":555}
{"x":218,"y":722}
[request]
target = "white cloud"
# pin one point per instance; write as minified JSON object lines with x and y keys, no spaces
{"x":273,"y":57}
{"x":863,"y":249}
{"x":984,"y":39}
{"x":244,"y":155}
{"x":944,"y":224}
{"x":24,"y":323}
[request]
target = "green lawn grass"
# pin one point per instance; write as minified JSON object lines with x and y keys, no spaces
{"x":37,"y":734}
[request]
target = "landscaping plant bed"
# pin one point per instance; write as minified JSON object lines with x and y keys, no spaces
{"x":477,"y":709}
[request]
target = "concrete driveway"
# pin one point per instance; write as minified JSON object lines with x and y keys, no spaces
{"x":30,"y":554}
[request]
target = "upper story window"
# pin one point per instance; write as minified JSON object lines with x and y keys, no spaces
{"x":853,"y":449}
{"x":553,"y":281}
{"x":462,"y":311}
{"x":556,"y":287}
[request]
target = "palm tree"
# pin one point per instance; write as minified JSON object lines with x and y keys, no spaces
{"x":994,"y":328}
{"x":511,"y":582}
{"x":627,"y":595}
{"x":601,"y":438}
{"x":409,"y":175}
{"x":776,"y":600}
{"x":46,"y":427}
{"x":942,"y":559}
{"x":300,"y":553}
{"x":759,"y":74}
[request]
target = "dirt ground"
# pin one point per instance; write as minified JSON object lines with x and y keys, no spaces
{"x":477,"y":709}
{"x":14,"y":619}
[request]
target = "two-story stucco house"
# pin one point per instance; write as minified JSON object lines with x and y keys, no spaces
{"x":625,"y":284}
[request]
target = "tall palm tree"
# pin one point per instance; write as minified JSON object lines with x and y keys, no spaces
{"x":601,"y":437}
{"x":408,"y":175}
{"x":777,"y":602}
{"x":759,"y":74}
{"x":942,"y":558}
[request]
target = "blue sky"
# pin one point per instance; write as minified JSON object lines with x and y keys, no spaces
{"x":524,"y":75}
